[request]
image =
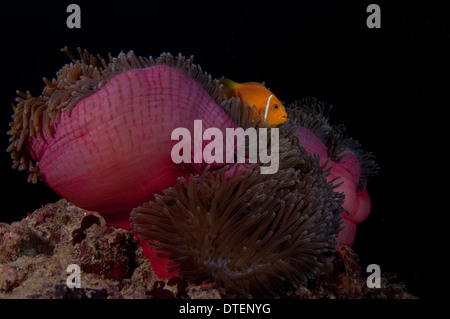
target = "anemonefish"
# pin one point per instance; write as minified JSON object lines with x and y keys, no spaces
{"x":267,"y":105}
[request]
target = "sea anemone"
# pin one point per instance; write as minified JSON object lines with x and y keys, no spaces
{"x":98,"y":130}
{"x":253,"y":235}
{"x":100,"y":136}
{"x":349,"y":165}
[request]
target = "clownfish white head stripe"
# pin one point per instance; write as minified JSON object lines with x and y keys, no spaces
{"x":267,"y":108}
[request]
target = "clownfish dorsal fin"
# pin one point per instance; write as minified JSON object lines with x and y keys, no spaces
{"x":255,"y":84}
{"x":227,"y":84}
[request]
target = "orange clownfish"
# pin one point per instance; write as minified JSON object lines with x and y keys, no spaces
{"x":267,"y":105}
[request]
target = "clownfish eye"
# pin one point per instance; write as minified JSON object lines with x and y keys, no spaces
{"x":276,"y":106}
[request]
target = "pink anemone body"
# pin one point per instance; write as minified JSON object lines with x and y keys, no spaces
{"x":113,"y":152}
{"x":346,"y":173}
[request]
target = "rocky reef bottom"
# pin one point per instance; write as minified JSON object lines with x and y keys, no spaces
{"x":36,"y":252}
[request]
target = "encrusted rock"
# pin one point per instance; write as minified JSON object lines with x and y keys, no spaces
{"x":35,"y":254}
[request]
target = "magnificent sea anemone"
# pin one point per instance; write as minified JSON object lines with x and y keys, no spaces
{"x":100,"y":136}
